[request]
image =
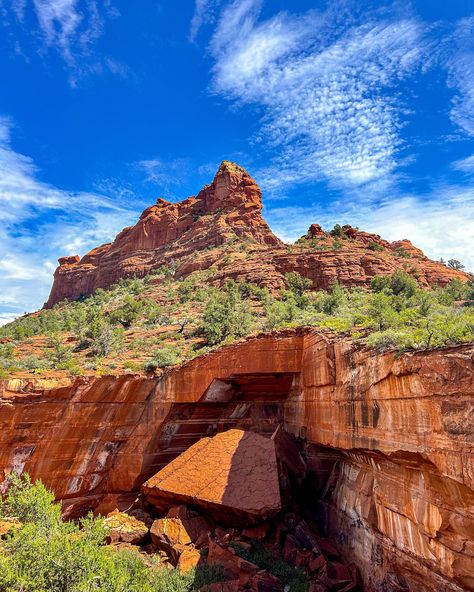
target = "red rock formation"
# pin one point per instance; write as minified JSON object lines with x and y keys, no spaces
{"x":229,"y":212}
{"x":234,"y":475}
{"x":229,"y":208}
{"x":389,"y":441}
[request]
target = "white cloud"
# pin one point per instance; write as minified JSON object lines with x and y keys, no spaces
{"x":59,"y":21}
{"x":70,"y":27}
{"x":203,"y":14}
{"x":39,"y":223}
{"x":329,"y":92}
{"x":461,"y":76}
{"x":7,"y":317}
{"x":465,"y":165}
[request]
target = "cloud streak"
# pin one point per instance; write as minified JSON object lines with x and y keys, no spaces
{"x":461,"y":76}
{"x":39,"y":223}
{"x":329,"y":92}
{"x":69,"y":27}
{"x":204,"y":13}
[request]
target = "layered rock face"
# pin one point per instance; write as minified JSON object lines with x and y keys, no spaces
{"x":229,"y":208}
{"x":388,"y":441}
{"x":228,"y":213}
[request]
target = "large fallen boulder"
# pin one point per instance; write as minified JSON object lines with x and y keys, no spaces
{"x":233,"y":476}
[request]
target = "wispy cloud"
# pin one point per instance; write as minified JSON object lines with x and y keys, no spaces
{"x":332,"y":90}
{"x":465,"y":165}
{"x":40,"y":222}
{"x":71,"y":28}
{"x":461,"y":76}
{"x":204,"y":13}
{"x":329,"y":88}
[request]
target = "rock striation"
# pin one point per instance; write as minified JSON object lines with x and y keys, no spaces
{"x":387,"y":442}
{"x":222,"y":226}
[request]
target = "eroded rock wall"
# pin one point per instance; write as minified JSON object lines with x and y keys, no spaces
{"x":397,"y":429}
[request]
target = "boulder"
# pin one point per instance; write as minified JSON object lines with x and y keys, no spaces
{"x":233,"y":476}
{"x":195,"y":525}
{"x":124,"y":528}
{"x":168,"y":532}
{"x":141,"y":515}
{"x":234,"y":566}
{"x":188,"y":559}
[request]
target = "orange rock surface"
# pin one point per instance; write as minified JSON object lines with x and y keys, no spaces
{"x":228,"y":213}
{"x":234,"y":474}
{"x":389,"y":441}
{"x":123,"y":528}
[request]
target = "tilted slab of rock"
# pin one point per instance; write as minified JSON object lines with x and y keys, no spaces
{"x":233,"y":475}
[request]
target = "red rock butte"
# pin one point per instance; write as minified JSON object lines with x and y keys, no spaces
{"x":228,"y":212}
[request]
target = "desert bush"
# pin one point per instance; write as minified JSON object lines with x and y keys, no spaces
{"x":226,"y":315}
{"x":49,"y":555}
{"x":129,"y":312}
{"x":58,"y":353}
{"x":103,"y":338}
{"x":163,"y":357}
{"x":455,"y":264}
{"x":280,"y":312}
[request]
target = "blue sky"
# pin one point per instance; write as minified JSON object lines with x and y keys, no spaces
{"x":344,"y":111}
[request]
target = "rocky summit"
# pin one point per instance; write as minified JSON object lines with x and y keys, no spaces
{"x":228,"y":212}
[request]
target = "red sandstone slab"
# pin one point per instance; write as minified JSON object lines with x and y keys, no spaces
{"x":233,"y":474}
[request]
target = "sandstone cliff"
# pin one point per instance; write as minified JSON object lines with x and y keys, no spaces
{"x":389,"y":441}
{"x":228,"y":212}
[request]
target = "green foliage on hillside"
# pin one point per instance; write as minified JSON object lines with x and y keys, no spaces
{"x":189,"y":316}
{"x":49,"y":555}
{"x":226,"y":315}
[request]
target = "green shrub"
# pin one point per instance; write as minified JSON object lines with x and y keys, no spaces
{"x":293,"y":577}
{"x":401,"y":252}
{"x":129,"y":312}
{"x":58,"y":354}
{"x":337,"y":231}
{"x":49,"y":555}
{"x":455,"y":264}
{"x":403,"y":283}
{"x":376,"y":247}
{"x":386,"y":340}
{"x":297,"y":283}
{"x":280,"y":312}
{"x":226,"y":315}
{"x":103,"y":338}
{"x":164,"y":357}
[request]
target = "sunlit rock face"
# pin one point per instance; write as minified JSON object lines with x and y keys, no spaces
{"x":233,"y":475}
{"x":388,"y":441}
{"x":228,"y":211}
